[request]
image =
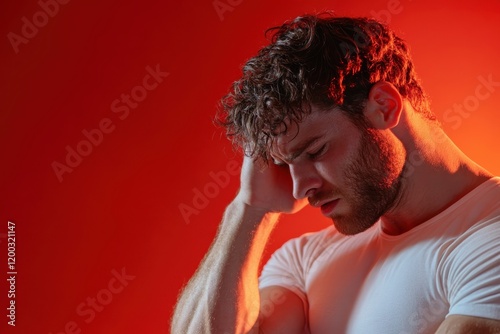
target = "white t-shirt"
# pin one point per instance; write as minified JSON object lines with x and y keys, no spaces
{"x":377,"y":283}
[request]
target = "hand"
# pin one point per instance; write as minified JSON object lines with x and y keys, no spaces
{"x":268,"y":187}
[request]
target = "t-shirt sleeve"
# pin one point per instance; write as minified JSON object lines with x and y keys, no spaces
{"x":285,"y":268}
{"x":472,"y":273}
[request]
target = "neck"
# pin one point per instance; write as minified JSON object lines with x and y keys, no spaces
{"x":437,"y":175}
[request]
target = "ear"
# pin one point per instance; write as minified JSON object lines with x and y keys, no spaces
{"x":384,"y":105}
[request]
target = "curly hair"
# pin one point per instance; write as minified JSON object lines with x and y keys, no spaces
{"x":316,"y":60}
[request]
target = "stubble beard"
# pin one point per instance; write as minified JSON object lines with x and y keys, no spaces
{"x":372,"y":183}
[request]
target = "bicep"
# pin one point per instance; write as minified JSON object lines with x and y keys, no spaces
{"x":281,"y":311}
{"x":461,"y":324}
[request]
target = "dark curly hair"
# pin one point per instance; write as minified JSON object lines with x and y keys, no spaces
{"x":315,"y":60}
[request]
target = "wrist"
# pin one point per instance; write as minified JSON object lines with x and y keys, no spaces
{"x":251,"y":215}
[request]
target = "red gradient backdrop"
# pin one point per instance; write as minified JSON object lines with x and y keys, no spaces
{"x":118,"y":212}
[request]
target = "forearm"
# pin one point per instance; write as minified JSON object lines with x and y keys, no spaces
{"x":223,"y":295}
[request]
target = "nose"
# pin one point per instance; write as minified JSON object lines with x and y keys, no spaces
{"x":306,"y":180}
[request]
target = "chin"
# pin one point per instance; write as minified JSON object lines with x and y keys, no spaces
{"x":347,"y":226}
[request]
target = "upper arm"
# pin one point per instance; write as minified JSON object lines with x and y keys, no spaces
{"x":470,"y":280}
{"x":281,"y":311}
{"x":462,"y":324}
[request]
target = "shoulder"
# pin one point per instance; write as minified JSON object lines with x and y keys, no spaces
{"x":310,"y":244}
{"x":320,"y":246}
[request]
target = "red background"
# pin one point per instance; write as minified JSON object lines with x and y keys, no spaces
{"x":119,"y":208}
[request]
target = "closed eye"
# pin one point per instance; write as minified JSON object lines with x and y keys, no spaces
{"x":316,"y":154}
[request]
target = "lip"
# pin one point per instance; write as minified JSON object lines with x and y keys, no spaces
{"x":328,"y":207}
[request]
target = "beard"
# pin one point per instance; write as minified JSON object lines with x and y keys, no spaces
{"x":372,"y":183}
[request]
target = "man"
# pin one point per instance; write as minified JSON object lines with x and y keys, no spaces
{"x":332,"y":113}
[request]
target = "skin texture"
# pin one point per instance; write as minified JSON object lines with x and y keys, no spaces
{"x":336,"y":163}
{"x":359,"y":168}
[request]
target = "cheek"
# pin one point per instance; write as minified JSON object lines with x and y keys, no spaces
{"x":343,"y":151}
{"x":334,"y":163}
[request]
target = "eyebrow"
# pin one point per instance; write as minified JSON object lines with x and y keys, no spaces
{"x":301,"y":147}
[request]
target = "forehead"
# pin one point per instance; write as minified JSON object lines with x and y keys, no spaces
{"x":319,"y":123}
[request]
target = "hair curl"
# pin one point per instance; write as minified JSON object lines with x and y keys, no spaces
{"x":315,"y":60}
